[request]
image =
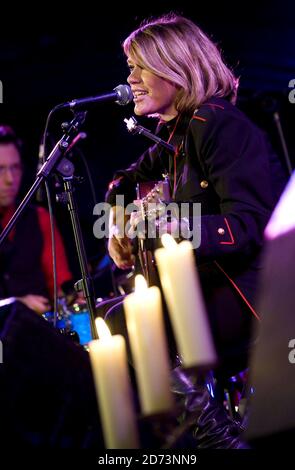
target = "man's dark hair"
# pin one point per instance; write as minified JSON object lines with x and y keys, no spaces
{"x":8,"y":136}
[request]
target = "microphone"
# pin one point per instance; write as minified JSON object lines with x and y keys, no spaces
{"x":134,"y":128}
{"x":122,"y":95}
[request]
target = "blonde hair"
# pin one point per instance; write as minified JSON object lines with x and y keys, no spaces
{"x":175,"y":48}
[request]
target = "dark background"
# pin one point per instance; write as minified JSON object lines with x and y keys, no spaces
{"x":53,"y":53}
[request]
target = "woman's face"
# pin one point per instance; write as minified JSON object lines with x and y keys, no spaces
{"x":152,"y":94}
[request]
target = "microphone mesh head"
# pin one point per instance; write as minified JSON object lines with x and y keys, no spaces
{"x":124,"y":94}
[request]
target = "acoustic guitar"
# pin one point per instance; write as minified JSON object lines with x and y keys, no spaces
{"x":152,"y":199}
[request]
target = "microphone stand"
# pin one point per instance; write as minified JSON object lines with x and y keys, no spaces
{"x":278,"y":124}
{"x":58,"y":163}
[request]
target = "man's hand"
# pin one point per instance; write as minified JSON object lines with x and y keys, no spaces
{"x":38,"y":303}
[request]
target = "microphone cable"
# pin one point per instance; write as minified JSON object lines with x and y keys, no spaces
{"x":51,"y":221}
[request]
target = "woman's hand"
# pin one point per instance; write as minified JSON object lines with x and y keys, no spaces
{"x":119,"y":245}
{"x":120,"y":250}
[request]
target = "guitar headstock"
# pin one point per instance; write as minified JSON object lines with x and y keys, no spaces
{"x":153,"y":197}
{"x":154,"y":190}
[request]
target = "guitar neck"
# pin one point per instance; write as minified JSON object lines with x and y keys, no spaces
{"x":153,"y":193}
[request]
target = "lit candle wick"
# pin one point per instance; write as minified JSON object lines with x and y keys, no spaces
{"x":140,"y":284}
{"x":102,"y":329}
{"x":168,"y":241}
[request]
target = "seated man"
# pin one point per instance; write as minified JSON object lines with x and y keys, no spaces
{"x":26,"y":256}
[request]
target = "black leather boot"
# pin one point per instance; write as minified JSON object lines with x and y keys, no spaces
{"x":202,"y":419}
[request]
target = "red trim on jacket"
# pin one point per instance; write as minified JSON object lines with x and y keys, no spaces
{"x":213,"y":105}
{"x":232,"y":240}
{"x":199,"y":118}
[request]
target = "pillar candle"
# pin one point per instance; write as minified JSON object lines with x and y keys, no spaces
{"x":144,"y":318}
{"x":109,"y":365}
{"x":182,"y":291}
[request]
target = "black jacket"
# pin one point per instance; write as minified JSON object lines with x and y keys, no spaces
{"x":223,"y":162}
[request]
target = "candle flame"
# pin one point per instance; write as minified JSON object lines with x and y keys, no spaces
{"x":168,"y":241}
{"x":102,"y":329}
{"x":140,"y":283}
